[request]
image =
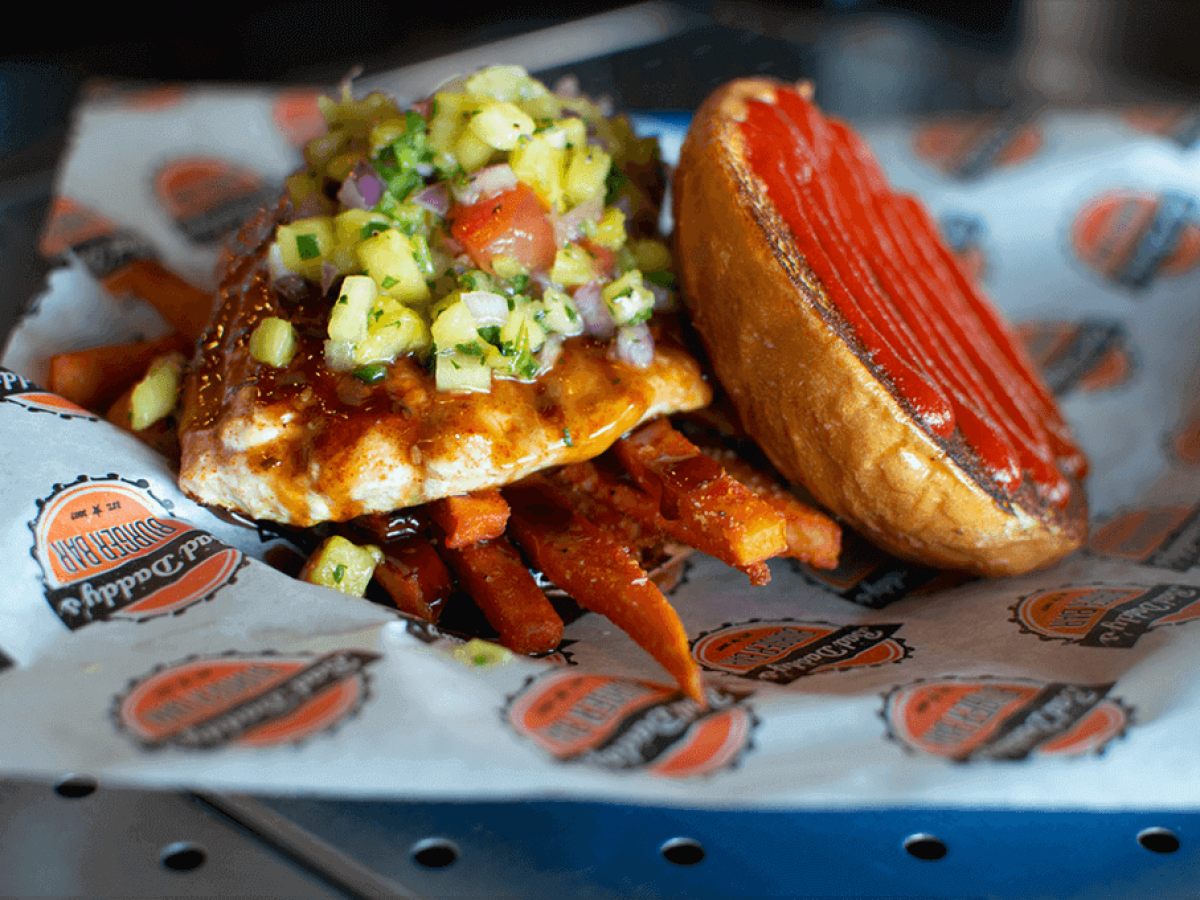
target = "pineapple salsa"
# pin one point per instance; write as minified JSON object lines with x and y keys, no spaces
{"x":478,"y":231}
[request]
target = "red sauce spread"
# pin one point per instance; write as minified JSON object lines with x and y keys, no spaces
{"x":920,"y":321}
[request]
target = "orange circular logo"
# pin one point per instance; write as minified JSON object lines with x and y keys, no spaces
{"x":784,"y":650}
{"x":109,"y":551}
{"x":245,"y":699}
{"x":1131,"y":238}
{"x":967,"y":719}
{"x":1164,"y":537}
{"x":1106,"y":616}
{"x":209,"y":198}
{"x":618,"y":723}
{"x":968,"y":148}
{"x":1090,"y":355}
{"x":298,"y":117}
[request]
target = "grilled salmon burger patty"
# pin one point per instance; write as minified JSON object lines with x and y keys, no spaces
{"x":450,"y":298}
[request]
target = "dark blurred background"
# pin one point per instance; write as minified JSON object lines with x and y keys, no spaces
{"x":869,"y":58}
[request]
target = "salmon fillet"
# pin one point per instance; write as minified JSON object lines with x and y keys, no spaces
{"x":303,"y":444}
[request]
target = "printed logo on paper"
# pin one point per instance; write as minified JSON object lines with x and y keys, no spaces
{"x":24,"y":393}
{"x":109,"y":550}
{"x":1180,"y":124}
{"x":1165,"y":537}
{"x":964,"y":234}
{"x":298,"y":117}
{"x":209,"y":198}
{"x":872,"y":578}
{"x":969,"y":148}
{"x":261,"y":699}
{"x":1106,"y":616}
{"x":986,"y":718}
{"x":622,"y":724}
{"x":96,"y":241}
{"x":783,"y":650}
{"x":1133,"y":238}
{"x":1091,"y":355}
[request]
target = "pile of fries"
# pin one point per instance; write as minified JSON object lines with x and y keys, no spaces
{"x":594,"y":530}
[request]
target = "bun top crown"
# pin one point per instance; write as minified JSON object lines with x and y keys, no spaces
{"x":857,"y":351}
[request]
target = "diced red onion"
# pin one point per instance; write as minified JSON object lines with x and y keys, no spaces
{"x":491,"y":180}
{"x":424,"y":108}
{"x":435,"y":198}
{"x":362,"y":189}
{"x":634,"y":345}
{"x":568,"y":226}
{"x":329,"y":274}
{"x":597,"y":320}
{"x":486,"y":308}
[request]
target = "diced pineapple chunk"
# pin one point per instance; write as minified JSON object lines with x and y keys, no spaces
{"x":628,"y":300}
{"x":388,"y":258}
{"x":471,"y":151}
{"x":561,"y":315}
{"x":394,"y":329}
{"x":155,"y":395}
{"x":454,"y":325}
{"x":342,"y":565}
{"x":501,"y":125}
{"x":463,"y":371}
{"x":305,"y":243}
{"x":273,"y":342}
{"x":348,"y":319}
{"x":542,"y":166}
{"x":610,"y":230}
{"x":586,"y":173}
{"x":573,"y":266}
{"x":507,"y":83}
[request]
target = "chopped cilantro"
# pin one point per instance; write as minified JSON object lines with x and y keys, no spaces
{"x":307,"y":246}
{"x":469,"y":349}
{"x":371,"y":229}
{"x":371,"y":373}
{"x":389,"y":282}
{"x":567,"y":439}
{"x":339,"y":572}
{"x":490,"y":333}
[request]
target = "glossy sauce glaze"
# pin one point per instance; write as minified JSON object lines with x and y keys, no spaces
{"x":303,"y":443}
{"x":921,"y":324}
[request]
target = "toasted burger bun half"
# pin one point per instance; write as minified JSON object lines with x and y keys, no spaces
{"x":810,"y":396}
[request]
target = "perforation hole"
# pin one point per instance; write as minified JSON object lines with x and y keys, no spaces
{"x":182,"y":857}
{"x":73,"y":787}
{"x":435,"y":853}
{"x":1158,"y":840}
{"x":925,"y":847}
{"x":682,"y":851}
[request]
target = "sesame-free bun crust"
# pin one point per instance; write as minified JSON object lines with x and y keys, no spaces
{"x":807,"y":397}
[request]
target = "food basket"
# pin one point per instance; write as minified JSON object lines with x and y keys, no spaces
{"x":919,"y":735}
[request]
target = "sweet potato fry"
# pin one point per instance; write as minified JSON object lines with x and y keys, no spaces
{"x":493,"y":574}
{"x":812,"y":536}
{"x":96,"y":377}
{"x":415,"y":577}
{"x":469,"y":518}
{"x":600,"y":575}
{"x":725,"y":519}
{"x":186,"y":307}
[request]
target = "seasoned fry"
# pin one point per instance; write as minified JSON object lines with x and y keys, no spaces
{"x":96,"y":377}
{"x":469,"y":518}
{"x":812,"y":536}
{"x":600,"y":574}
{"x":724,"y":519}
{"x":415,"y":577}
{"x":186,"y":307}
{"x":494,"y":575}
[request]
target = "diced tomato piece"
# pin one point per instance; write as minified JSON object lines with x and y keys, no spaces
{"x":513,"y":224}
